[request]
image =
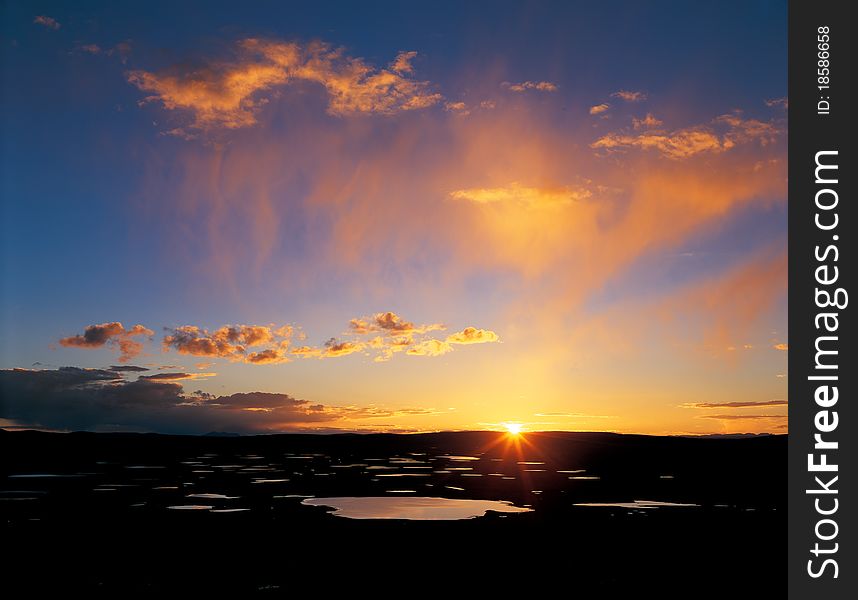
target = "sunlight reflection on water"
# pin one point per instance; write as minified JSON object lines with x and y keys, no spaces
{"x":419,"y":508}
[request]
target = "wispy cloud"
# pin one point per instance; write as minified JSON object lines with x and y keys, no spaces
{"x":176,"y":376}
{"x":121,"y":50}
{"x":739,"y":416}
{"x":750,"y":404}
{"x":128,"y":368}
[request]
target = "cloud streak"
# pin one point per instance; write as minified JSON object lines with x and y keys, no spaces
{"x":738,"y":417}
{"x":750,"y":404}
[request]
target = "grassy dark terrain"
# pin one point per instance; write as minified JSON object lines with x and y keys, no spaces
{"x":85,"y":511}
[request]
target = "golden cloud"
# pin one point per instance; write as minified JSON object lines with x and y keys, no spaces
{"x":430,"y":348}
{"x":472,"y":335}
{"x":750,"y":404}
{"x":687,"y":142}
{"x":531,"y":197}
{"x":335,"y":348}
{"x":306,"y":351}
{"x":391,"y":324}
{"x":229,"y":94}
{"x":598,"y":109}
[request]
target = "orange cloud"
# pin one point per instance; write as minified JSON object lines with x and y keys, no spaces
{"x":598,"y":109}
{"x":684,"y":143}
{"x":391,"y":324}
{"x":648,"y":122}
{"x":231,"y":341}
{"x":306,"y":351}
{"x":389,"y":346}
{"x":472,"y":335}
{"x":679,"y":144}
{"x":335,"y":348}
{"x":457,"y":107}
{"x":783,"y":347}
{"x":229,"y":94}
{"x":430,"y":348}
{"x":110,"y":334}
{"x":402,"y":62}
{"x":270,"y":356}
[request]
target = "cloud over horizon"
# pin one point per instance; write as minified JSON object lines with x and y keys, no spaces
{"x":73,"y":398}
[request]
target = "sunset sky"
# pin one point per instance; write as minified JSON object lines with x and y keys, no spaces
{"x":281,"y":216}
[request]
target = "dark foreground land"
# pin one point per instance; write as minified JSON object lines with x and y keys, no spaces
{"x":91,"y":512}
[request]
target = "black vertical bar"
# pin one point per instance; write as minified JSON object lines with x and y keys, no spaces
{"x":822,"y":65}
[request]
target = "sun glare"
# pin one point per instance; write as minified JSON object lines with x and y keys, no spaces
{"x":513,"y":428}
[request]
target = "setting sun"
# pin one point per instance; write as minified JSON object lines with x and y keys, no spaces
{"x":513,"y":428}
